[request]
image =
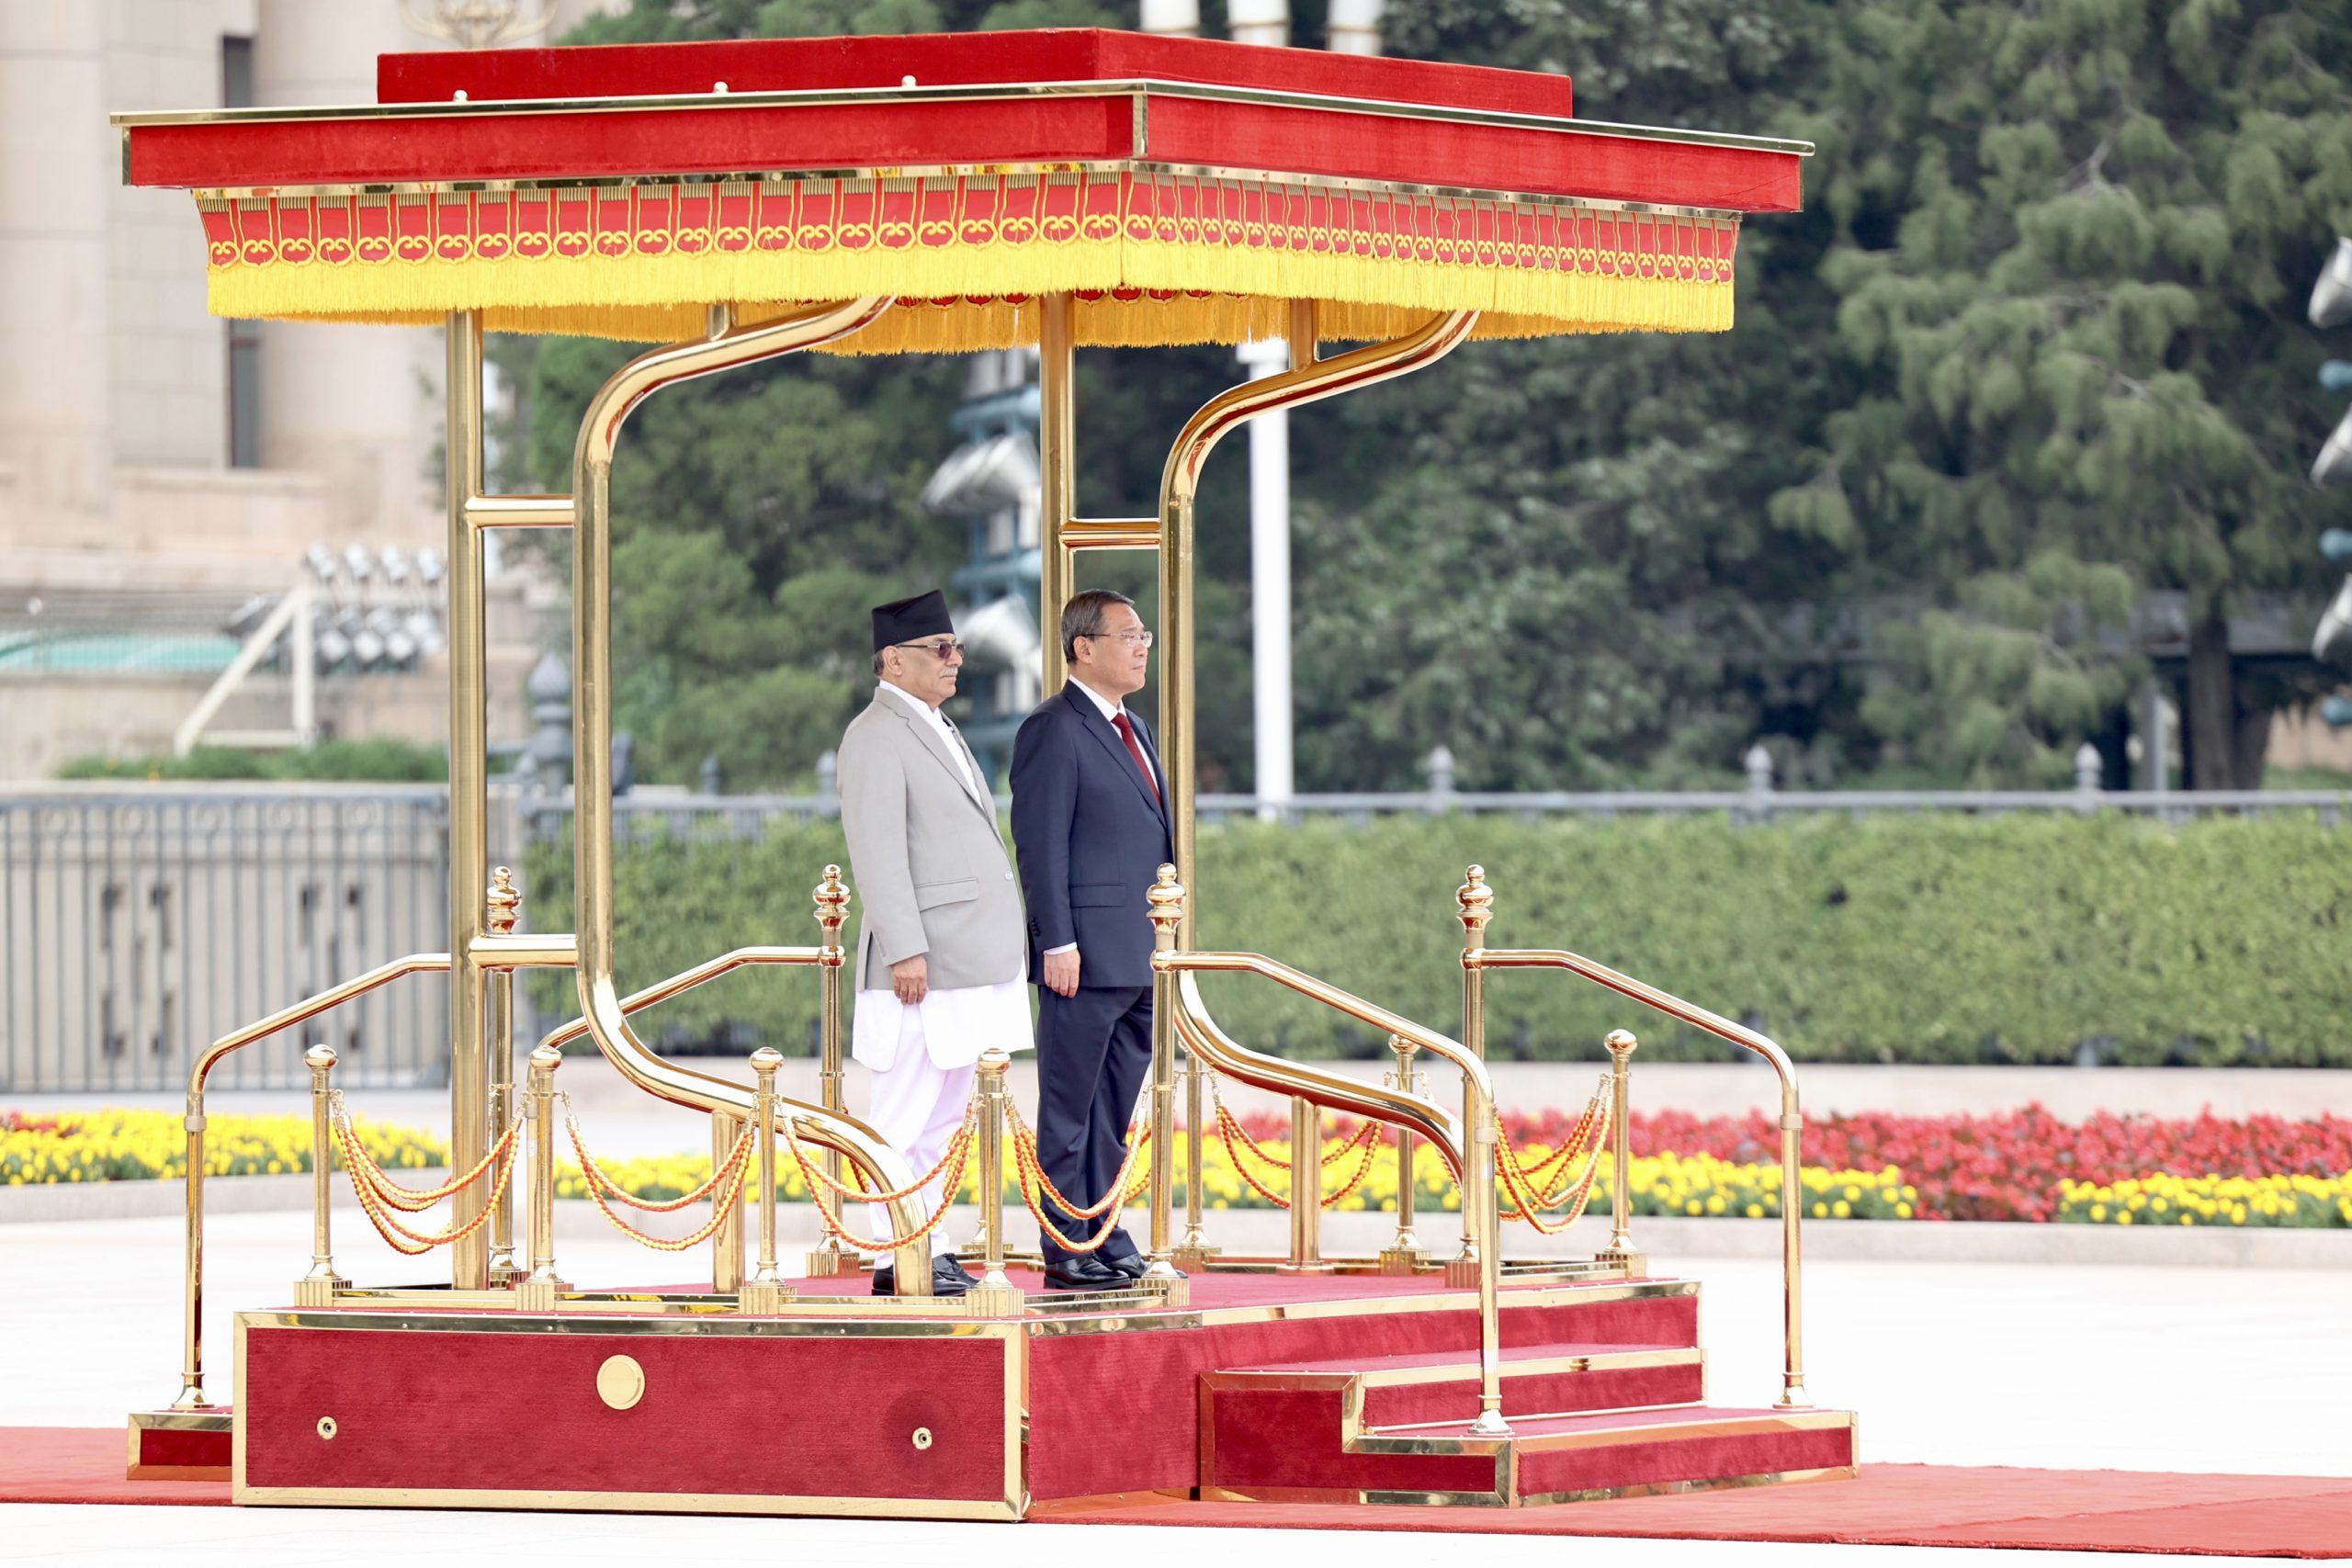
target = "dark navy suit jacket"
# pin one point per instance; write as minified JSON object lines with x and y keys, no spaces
{"x":1092,"y":839}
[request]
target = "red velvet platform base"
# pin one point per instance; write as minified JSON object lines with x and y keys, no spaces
{"x":1357,"y":1388}
{"x":1889,"y":1505}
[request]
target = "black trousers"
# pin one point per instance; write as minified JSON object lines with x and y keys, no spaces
{"x":1094,"y":1054}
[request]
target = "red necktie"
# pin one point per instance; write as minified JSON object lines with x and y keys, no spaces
{"x":1127,"y":733}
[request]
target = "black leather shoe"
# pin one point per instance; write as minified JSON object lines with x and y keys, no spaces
{"x":1134,"y":1264}
{"x":945,"y":1261}
{"x":1084,"y":1273}
{"x":947,"y":1279}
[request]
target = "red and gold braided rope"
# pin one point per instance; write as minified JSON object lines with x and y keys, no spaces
{"x":1033,"y":1175}
{"x":963,"y":1135}
{"x":417,"y":1243}
{"x":597,"y":1176}
{"x":730,"y":1171}
{"x":1259,"y":1149}
{"x":1525,"y":1201}
{"x":828,"y":1215}
{"x":359,"y":1165}
{"x":1570,"y":1147}
{"x":1366,"y":1139}
{"x":1138,"y":1136}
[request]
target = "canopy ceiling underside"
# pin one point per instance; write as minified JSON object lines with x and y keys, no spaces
{"x":1153,"y":259}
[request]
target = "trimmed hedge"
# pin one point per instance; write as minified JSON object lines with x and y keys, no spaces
{"x":1922,"y":938}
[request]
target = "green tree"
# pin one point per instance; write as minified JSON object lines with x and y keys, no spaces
{"x":2074,"y":240}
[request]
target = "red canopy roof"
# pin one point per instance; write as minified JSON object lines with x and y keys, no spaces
{"x":1186,"y":185}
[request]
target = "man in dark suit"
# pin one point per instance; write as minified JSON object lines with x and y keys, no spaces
{"x":1090,"y":820}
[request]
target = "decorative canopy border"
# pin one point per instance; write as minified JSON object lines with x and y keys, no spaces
{"x":1163,"y":257}
{"x":1183,"y":190}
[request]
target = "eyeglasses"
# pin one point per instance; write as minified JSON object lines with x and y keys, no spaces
{"x":946,"y":650}
{"x":1134,"y":639}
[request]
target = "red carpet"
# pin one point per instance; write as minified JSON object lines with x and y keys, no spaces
{"x":1891,"y":1504}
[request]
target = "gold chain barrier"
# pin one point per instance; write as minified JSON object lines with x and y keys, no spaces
{"x":1229,"y":1128}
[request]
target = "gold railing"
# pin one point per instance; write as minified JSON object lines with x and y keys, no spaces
{"x":191,"y":1395}
{"x":831,"y":898}
{"x":1467,"y":1143}
{"x":726,"y":345}
{"x":1477,"y":894}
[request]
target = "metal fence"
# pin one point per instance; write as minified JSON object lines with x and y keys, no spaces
{"x":138,"y":925}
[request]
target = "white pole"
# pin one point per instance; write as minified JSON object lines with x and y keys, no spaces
{"x":1270,"y":584}
{"x":1259,"y":21}
{"x":1173,"y":18}
{"x":1355,"y":27}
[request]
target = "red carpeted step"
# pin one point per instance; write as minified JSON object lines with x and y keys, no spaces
{"x":1403,"y":1390}
{"x":1568,"y":1458}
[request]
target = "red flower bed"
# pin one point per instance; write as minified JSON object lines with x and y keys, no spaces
{"x":2008,"y":1165}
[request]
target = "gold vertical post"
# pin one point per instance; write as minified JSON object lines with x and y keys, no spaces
{"x":1194,"y":1251}
{"x":538,"y":1290}
{"x":468,"y":788}
{"x":765,"y":1292}
{"x":1404,"y":1254}
{"x":1166,"y":898}
{"x":726,"y":1241}
{"x":317,"y":1288}
{"x":831,"y":898}
{"x":1305,"y":1189}
{"x":191,"y":1395}
{"x":1473,"y":904}
{"x":995,"y":1296}
{"x":1792,"y":1394}
{"x":1620,"y":1251}
{"x":502,"y":909}
{"x":1057,"y":471}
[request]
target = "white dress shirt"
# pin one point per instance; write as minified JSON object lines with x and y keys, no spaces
{"x":998,"y":1014}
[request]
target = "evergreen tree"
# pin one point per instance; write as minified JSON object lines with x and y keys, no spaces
{"x":2075,"y":241}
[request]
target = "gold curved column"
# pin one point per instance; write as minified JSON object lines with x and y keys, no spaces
{"x":592,"y":661}
{"x":1058,"y":482}
{"x":1308,"y":380}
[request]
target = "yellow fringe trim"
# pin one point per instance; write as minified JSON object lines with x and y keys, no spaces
{"x":1222,"y":295}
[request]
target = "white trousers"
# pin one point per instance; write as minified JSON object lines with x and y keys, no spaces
{"x":916,"y":1105}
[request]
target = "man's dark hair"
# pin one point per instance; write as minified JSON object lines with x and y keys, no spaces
{"x":1084,"y":615}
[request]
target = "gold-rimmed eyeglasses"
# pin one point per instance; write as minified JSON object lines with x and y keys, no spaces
{"x":1133,"y":639}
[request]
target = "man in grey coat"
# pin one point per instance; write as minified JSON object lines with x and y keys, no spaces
{"x":942,"y":952}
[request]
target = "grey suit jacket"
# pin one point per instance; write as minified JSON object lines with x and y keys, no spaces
{"x":930,"y":870}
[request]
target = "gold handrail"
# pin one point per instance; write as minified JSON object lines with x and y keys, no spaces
{"x":1468,"y":1144}
{"x":191,"y":1396}
{"x":592,"y":661}
{"x":1793,"y":1392}
{"x":687,"y":980}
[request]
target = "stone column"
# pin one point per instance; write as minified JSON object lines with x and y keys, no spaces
{"x":57,"y":165}
{"x":359,"y":406}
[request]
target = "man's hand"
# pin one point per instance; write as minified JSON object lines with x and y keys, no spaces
{"x":1062,"y":973}
{"x":910,"y":978}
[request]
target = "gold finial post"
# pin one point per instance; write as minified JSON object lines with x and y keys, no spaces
{"x":1475,"y":906}
{"x":538,"y":1290}
{"x":1404,"y":1254}
{"x":501,"y":911}
{"x":765,"y":1293}
{"x":995,"y":1296}
{"x":1620,"y":1250}
{"x":831,"y":898}
{"x":317,"y":1288}
{"x":1166,"y":901}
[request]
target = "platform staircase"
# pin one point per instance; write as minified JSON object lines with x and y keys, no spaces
{"x":1604,"y":1398}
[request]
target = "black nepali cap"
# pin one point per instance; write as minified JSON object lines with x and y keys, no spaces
{"x":904,"y":620}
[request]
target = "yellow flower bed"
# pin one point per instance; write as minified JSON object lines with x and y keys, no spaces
{"x":144,"y":1145}
{"x":1661,"y":1184}
{"x":2315,"y":1200}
